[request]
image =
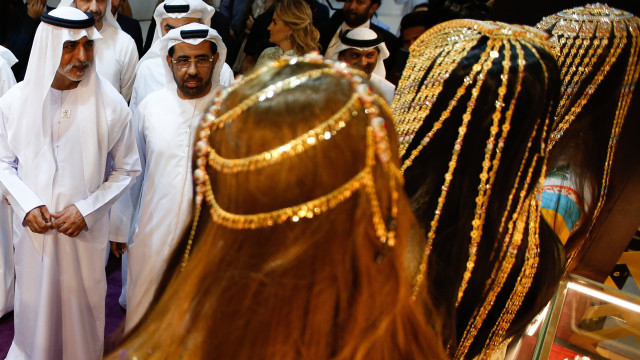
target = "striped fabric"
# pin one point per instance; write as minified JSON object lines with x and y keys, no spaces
{"x":560,"y":204}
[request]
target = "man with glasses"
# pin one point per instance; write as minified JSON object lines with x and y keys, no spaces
{"x":170,"y":14}
{"x":165,"y":123}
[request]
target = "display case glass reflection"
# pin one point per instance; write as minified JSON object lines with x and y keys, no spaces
{"x":585,"y":320}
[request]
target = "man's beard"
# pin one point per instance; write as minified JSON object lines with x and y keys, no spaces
{"x":369,"y":69}
{"x":355,"y":19}
{"x":98,"y":18}
{"x":80,"y":74}
{"x":194,"y":92}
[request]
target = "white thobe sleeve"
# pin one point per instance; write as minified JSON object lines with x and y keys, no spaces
{"x":128,"y":75}
{"x":226,"y":75}
{"x":7,"y":80}
{"x":21,"y":197}
{"x":126,"y":166}
{"x":133,"y":101}
{"x":140,"y":88}
{"x":141,"y":141}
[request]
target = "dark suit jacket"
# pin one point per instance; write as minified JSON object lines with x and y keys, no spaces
{"x":132,"y":27}
{"x":390,"y":40}
{"x":18,"y":31}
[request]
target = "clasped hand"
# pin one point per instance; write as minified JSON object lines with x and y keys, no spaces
{"x":68,"y":221}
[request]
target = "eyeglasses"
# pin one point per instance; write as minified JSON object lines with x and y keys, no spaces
{"x":183,"y":62}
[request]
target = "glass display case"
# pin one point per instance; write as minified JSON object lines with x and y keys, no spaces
{"x":585,"y":320}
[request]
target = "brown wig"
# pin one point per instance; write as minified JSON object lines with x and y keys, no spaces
{"x":473,"y":114}
{"x":598,"y":49}
{"x":323,"y":283}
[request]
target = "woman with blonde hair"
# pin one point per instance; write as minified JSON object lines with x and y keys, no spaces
{"x":292,"y":30}
{"x":300,"y":230}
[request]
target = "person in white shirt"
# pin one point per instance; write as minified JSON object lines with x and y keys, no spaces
{"x":165,"y":124}
{"x":7,"y":60}
{"x":116,"y":56}
{"x":150,"y":77}
{"x":57,"y":128}
{"x":364,"y":49}
{"x":169,"y":15}
{"x":7,"y":80}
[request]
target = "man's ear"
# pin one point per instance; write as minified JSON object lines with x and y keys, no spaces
{"x":372,"y":9}
{"x":169,"y":61}
{"x":215,"y":58}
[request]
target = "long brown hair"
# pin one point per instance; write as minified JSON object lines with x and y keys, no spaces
{"x":296,"y":14}
{"x":322,"y":286}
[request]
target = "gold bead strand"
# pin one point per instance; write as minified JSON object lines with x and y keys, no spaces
{"x":566,"y":120}
{"x":631,"y":77}
{"x":489,"y":168}
{"x":482,"y":67}
{"x":523,"y":282}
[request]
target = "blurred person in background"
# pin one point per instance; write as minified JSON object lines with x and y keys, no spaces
{"x":292,"y":31}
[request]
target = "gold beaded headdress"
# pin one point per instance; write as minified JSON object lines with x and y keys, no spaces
{"x":378,"y":153}
{"x":433,"y":59}
{"x":589,"y":40}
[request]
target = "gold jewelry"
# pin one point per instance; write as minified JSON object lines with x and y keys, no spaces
{"x":505,"y":258}
{"x":213,"y":122}
{"x":409,"y":105}
{"x":486,"y":178}
{"x":413,"y":102}
{"x":484,"y":65}
{"x":523,"y":282}
{"x":322,"y":132}
{"x":378,"y":153}
{"x":609,"y":31}
{"x":511,"y":244}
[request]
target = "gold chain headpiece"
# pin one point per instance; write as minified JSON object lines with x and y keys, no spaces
{"x":449,"y":43}
{"x":378,"y":151}
{"x":433,"y":58}
{"x":589,"y":41}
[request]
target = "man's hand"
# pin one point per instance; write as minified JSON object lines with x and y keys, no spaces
{"x":69,"y":221}
{"x":118,"y":248}
{"x":38,"y":220}
{"x":35,"y":8}
{"x":249,"y":25}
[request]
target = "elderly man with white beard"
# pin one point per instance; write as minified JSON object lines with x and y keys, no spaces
{"x":116,"y":58}
{"x":165,"y":125}
{"x":116,"y":55}
{"x":57,"y":128}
